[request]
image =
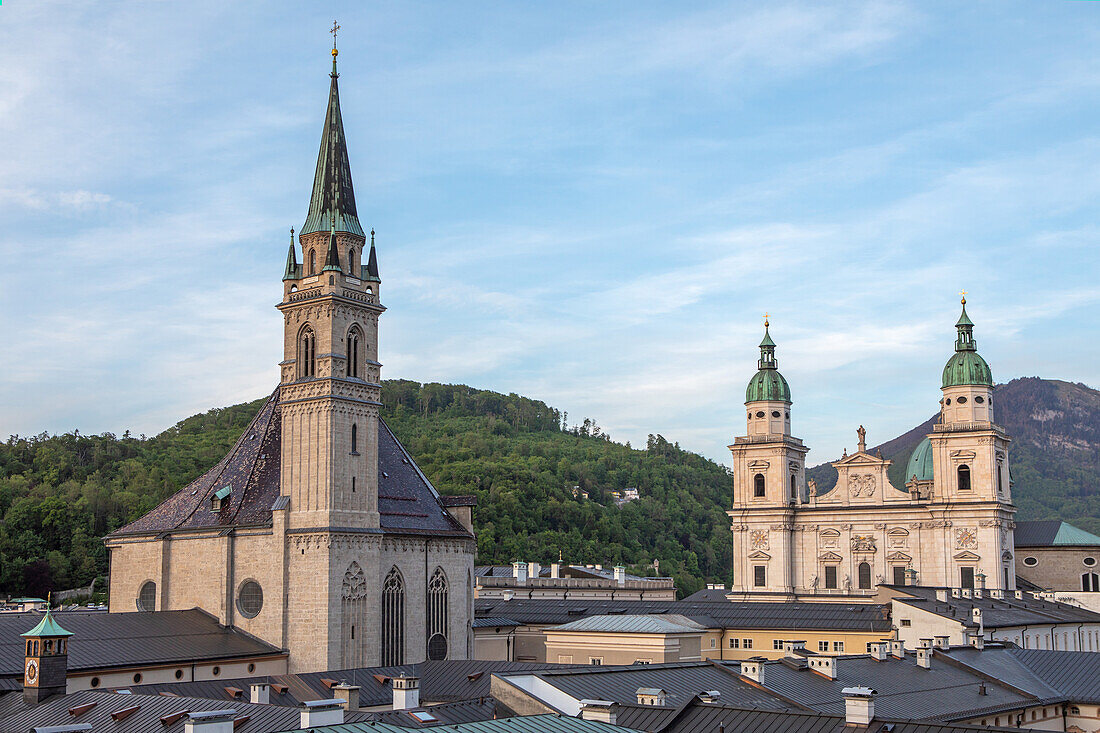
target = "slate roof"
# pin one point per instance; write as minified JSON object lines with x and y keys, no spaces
{"x":442,"y":681}
{"x":996,"y":613}
{"x":712,"y":614}
{"x":103,"y":640}
{"x":1052,"y":533}
{"x":407,"y":501}
{"x":669,"y":623}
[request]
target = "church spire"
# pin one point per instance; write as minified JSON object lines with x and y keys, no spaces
{"x":291,"y":272}
{"x":333,"y":172}
{"x":372,"y":262}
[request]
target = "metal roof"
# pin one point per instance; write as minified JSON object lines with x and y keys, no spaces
{"x":996,"y":612}
{"x":526,"y":724}
{"x":1044,"y":672}
{"x":103,"y":640}
{"x":47,"y":627}
{"x":1052,"y":533}
{"x":635,"y":624}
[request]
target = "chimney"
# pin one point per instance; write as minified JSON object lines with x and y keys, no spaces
{"x":823,"y":665}
{"x":555,"y":570}
{"x":791,"y":647}
{"x":976,"y":616}
{"x":533,"y":570}
{"x":519,"y":572}
{"x":753,"y":669}
{"x":316,"y":713}
{"x":600,"y":711}
{"x":979,"y":583}
{"x":651,"y":696}
{"x":620,"y":574}
{"x":977,"y":641}
{"x":942,"y":642}
{"x":997,"y":594}
{"x":897,"y":649}
{"x":878,"y":650}
{"x":259,"y":693}
{"x":209,"y":721}
{"x":941,"y":595}
{"x":1019,"y":595}
{"x":859,"y":705}
{"x":406,"y":692}
{"x":924,"y":644}
{"x":349,"y":694}
{"x":924,"y":657}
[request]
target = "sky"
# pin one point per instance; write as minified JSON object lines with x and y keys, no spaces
{"x":591,"y":204}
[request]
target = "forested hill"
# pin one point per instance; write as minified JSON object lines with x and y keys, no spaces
{"x":60,"y":494}
{"x":1054,"y":457}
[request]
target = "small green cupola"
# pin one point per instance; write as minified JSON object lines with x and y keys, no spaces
{"x":767,"y":385}
{"x":966,"y":366}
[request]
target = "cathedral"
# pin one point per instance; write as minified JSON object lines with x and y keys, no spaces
{"x":317,"y":532}
{"x":950,"y":525}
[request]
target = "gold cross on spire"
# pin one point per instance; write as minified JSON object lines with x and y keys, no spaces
{"x":335,"y":27}
{"x":963,"y":294}
{"x":766,"y":324}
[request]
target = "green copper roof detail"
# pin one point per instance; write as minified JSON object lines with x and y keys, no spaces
{"x":920,"y":463}
{"x":1070,"y":535}
{"x":966,"y":366}
{"x":292,"y":272}
{"x":767,"y":385}
{"x":47,"y":627}
{"x":333,"y":175}
{"x":372,"y":262}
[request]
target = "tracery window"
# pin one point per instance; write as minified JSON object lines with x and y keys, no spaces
{"x":437,"y":615}
{"x":355,"y":338}
{"x":307,"y":353}
{"x":353,"y":600}
{"x":393,"y":619}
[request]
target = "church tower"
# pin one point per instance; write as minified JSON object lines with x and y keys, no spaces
{"x":45,"y":660}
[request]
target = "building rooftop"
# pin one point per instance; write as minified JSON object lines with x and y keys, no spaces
{"x":665,"y":623}
{"x":526,"y":724}
{"x":407,"y":501}
{"x":104,"y":640}
{"x":1053,"y":533}
{"x":996,"y":612}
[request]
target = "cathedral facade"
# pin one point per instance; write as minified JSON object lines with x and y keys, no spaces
{"x":950,"y":525}
{"x":317,"y":532}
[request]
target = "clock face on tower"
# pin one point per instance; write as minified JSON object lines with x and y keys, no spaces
{"x":31,"y":675}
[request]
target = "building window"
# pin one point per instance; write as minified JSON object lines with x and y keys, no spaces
{"x":595,"y":660}
{"x":352,"y":270}
{"x":777,"y":644}
{"x":1000,"y":478}
{"x":864,"y":575}
{"x":1089,"y":561}
{"x":355,"y":338}
{"x":746,"y":643}
{"x":312,"y":262}
{"x":794,"y":487}
{"x":760,"y":575}
{"x":393,"y":619}
{"x":643,"y":661}
{"x":307,"y":352}
{"x":354,"y":439}
{"x":823,"y":646}
{"x":179,"y":674}
{"x":964,"y":478}
{"x":250,"y":599}
{"x":735,"y":643}
{"x":1031,"y":561}
{"x":966,"y":577}
{"x":905,"y":622}
{"x":758,"y":485}
{"x":830,"y":576}
{"x":437,"y":616}
{"x":899,"y":575}
{"x":147,"y":597}
{"x":838,"y":646}
{"x":1090,"y":582}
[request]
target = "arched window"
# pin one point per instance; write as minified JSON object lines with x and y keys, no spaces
{"x":312,"y":262}
{"x":355,"y":337}
{"x":147,"y":596}
{"x":307,"y":353}
{"x":437,"y":616}
{"x":1090,"y":582}
{"x":794,"y":486}
{"x":864,"y":575}
{"x":393,"y":619}
{"x":758,"y":485}
{"x":964,"y":478}
{"x":354,"y":438}
{"x":352,"y":269}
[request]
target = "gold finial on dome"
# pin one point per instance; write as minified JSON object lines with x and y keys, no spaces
{"x":335,"y":27}
{"x":766,"y":324}
{"x":963,"y":294}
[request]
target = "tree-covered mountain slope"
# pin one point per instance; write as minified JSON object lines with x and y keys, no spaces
{"x":1054,"y":457}
{"x":59,"y":494}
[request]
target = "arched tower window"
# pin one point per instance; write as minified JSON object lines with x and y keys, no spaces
{"x":353,"y":270}
{"x":354,"y":438}
{"x":864,"y":575}
{"x":312,"y":262}
{"x":307,"y":352}
{"x":355,"y":339}
{"x":437,"y":616}
{"x":758,"y":485}
{"x":964,"y":478}
{"x":353,"y":603}
{"x":393,"y":619}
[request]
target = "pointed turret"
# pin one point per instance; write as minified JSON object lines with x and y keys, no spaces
{"x":332,"y":259}
{"x":291,"y":272}
{"x":966,"y":366}
{"x":332,"y":189}
{"x":372,"y":262}
{"x":767,"y":384}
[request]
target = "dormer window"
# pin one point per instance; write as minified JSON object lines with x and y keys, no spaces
{"x":220,"y":498}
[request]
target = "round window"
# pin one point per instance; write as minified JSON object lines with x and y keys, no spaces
{"x":948,"y":401}
{"x":775,"y":413}
{"x":760,"y":413}
{"x":979,"y":399}
{"x":179,"y":674}
{"x":216,"y":671}
{"x":1031,"y":561}
{"x":137,"y":678}
{"x":1090,"y":561}
{"x":251,"y":668}
{"x":147,"y":597}
{"x":437,"y":647}
{"x":962,"y":400}
{"x":250,"y":599}
{"x":94,"y":682}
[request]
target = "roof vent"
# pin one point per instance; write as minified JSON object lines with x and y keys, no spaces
{"x":897,"y":648}
{"x":259,"y":693}
{"x":209,"y":721}
{"x":859,"y":705}
{"x":600,"y":711}
{"x":316,"y":713}
{"x":753,"y":669}
{"x":924,"y":657}
{"x":710,"y":696}
{"x":651,"y":696}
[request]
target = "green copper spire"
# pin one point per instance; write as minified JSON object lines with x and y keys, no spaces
{"x":767,"y":385}
{"x":966,"y":367}
{"x":47,"y":627}
{"x":291,"y":272}
{"x":333,"y":174}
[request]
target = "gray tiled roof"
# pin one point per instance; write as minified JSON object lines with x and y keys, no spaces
{"x":407,"y":501}
{"x":666,"y":623}
{"x":996,"y":612}
{"x":103,"y":640}
{"x":1044,"y":672}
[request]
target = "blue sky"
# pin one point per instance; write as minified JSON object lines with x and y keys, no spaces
{"x":587,"y":203}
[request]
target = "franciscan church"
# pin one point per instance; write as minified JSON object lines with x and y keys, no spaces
{"x":950,"y":525}
{"x":317,"y":532}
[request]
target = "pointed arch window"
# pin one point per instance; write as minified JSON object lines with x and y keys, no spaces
{"x":758,"y":485}
{"x":353,"y":270}
{"x":964,"y":477}
{"x":437,"y":615}
{"x":307,"y":353}
{"x":312,"y":262}
{"x":864,"y":575}
{"x":354,"y":604}
{"x":354,"y":341}
{"x":393,"y":619}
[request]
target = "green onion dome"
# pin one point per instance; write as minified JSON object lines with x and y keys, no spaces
{"x":966,"y":366}
{"x":920,"y":463}
{"x":767,"y":385}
